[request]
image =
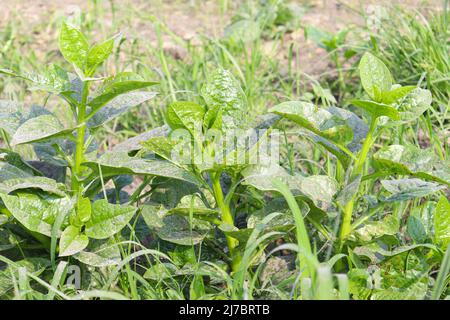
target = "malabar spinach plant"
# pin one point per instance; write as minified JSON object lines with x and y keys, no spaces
{"x":46,"y":185}
{"x":347,"y":136}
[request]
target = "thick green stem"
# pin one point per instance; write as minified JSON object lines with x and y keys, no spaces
{"x":81,"y":131}
{"x":226,"y":217}
{"x":357,"y":170}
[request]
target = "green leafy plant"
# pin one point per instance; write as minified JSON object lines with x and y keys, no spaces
{"x":346,"y":136}
{"x":36,"y":193}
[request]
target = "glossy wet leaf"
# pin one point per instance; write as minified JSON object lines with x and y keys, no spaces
{"x":108,"y":219}
{"x":376,"y":78}
{"x":33,"y":182}
{"x":406,"y":189}
{"x":73,"y":45}
{"x":318,"y":120}
{"x":36,"y":213}
{"x":442,"y":222}
{"x":39,"y":129}
{"x":72,"y":241}
{"x":119,"y":105}
{"x":117,"y":163}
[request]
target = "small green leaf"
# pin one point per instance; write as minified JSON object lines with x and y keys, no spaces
{"x":72,"y":241}
{"x":98,"y":54}
{"x":121,"y":83}
{"x":40,"y":129}
{"x":185,"y":115}
{"x":108,"y":219}
{"x":376,"y":109}
{"x":442,"y":222}
{"x":73,"y":45}
{"x":376,"y":78}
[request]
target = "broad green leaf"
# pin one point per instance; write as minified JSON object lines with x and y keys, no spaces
{"x":73,"y":45}
{"x":318,"y":120}
{"x":442,"y":222}
{"x":175,"y":228}
{"x":135,"y":143}
{"x":317,"y":190}
{"x":412,"y":161}
{"x":33,"y":182}
{"x":185,"y":115}
{"x":377,"y":253}
{"x":119,"y":105}
{"x":406,"y":189}
{"x":108,"y":219}
{"x":83,"y":211}
{"x":396,"y":94}
{"x":38,"y":129}
{"x":34,"y":266}
{"x":160,"y":271}
{"x":223,"y":95}
{"x":121,"y":83}
{"x":36,"y":213}
{"x":53,"y":79}
{"x":72,"y":241}
{"x":100,"y":253}
{"x":98,"y":54}
{"x":195,"y":205}
{"x":376,"y":78}
{"x":358,"y":126}
{"x":245,"y":30}
{"x":161,"y":146}
{"x":116,"y":163}
{"x":376,"y":109}
{"x":8,"y":171}
{"x":389,"y":225}
{"x":10,"y":116}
